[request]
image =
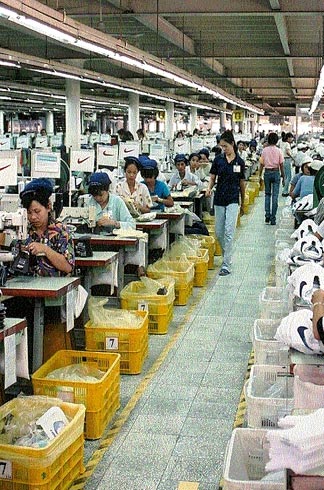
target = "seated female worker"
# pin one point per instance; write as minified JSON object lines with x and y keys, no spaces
{"x":132,"y":192}
{"x":111,"y":211}
{"x":48,"y":241}
{"x":159,"y":191}
{"x":182,"y":176}
{"x":51,"y":252}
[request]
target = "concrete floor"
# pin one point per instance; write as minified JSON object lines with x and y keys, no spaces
{"x":177,"y":416}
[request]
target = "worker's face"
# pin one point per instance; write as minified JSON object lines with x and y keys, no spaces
{"x":226,"y":147}
{"x":203,"y":158}
{"x":194,"y":163}
{"x":241,"y":146}
{"x":101,"y":198}
{"x":38,"y":214}
{"x":181,"y":167}
{"x":150,"y":181}
{"x":131,"y":173}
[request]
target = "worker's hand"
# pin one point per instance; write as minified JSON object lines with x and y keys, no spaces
{"x":318,"y":296}
{"x":36,"y":248}
{"x":155,"y":198}
{"x":106,"y":220}
{"x":207,"y":192}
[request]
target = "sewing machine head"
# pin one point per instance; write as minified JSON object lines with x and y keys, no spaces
{"x":13,"y":225}
{"x":79,"y":216}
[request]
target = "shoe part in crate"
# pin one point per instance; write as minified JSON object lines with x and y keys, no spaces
{"x":305,"y":280}
{"x":307,"y":227}
{"x":296,"y":331}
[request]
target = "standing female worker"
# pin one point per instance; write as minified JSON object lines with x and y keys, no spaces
{"x":272,"y":161}
{"x":229,"y":169}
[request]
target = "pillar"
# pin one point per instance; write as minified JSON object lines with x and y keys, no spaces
{"x":72,"y":114}
{"x":193,"y":119}
{"x":49,"y":122}
{"x":169,"y":120}
{"x":222,"y":119}
{"x":2,"y":122}
{"x":133,"y":113}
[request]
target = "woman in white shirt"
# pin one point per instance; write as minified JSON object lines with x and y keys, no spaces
{"x":135,"y":194}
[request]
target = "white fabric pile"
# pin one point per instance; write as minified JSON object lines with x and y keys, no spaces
{"x":306,"y":249}
{"x":296,"y":331}
{"x":307,"y":227}
{"x":300,"y":445}
{"x":304,"y":280}
{"x":303,"y":204}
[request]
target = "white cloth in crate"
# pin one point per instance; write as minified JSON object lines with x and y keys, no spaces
{"x":307,"y":227}
{"x":299,"y":445}
{"x":302,"y":280}
{"x":303,"y":204}
{"x":309,"y":394}
{"x":296,"y":331}
{"x":308,"y":248}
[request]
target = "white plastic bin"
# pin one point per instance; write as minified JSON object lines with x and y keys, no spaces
{"x":274,"y":302}
{"x":281,"y":267}
{"x":284,"y":234}
{"x":287,"y":223}
{"x":246,"y":456}
{"x":268,"y":350}
{"x":269,"y":395}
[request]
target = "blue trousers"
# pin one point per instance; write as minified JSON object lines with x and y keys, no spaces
{"x":271,"y":188}
{"x":226,"y":217}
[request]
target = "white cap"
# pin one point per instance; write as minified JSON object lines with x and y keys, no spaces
{"x":316,"y":164}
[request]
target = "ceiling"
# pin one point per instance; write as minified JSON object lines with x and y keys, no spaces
{"x":268,"y":53}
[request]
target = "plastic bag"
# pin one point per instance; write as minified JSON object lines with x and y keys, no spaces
{"x":77,"y":372}
{"x":102,"y":316}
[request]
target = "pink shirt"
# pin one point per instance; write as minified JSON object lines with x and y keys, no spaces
{"x":272,"y":157}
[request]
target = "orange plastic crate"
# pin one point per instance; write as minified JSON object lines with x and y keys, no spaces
{"x":53,"y":467}
{"x":130,"y":343}
{"x":101,"y":399}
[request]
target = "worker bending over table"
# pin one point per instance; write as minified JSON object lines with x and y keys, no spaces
{"x":159,"y":191}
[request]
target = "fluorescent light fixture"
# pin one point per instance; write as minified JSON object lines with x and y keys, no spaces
{"x":9,"y":63}
{"x":318,"y":93}
{"x":33,"y":101}
{"x":142,"y":64}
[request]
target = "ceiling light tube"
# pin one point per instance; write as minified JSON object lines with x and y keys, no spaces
{"x":66,"y":38}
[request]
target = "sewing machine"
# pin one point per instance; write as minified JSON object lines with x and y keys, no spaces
{"x":13,"y":229}
{"x":79,"y":216}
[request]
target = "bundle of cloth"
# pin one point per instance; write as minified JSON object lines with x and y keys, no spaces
{"x":296,"y":331}
{"x":304,"y":280}
{"x":307,"y":249}
{"x":299,"y":445}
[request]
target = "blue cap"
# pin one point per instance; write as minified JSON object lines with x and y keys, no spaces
{"x":180,"y":157}
{"x":146,"y":162}
{"x":204,"y":151}
{"x":99,"y":178}
{"x":132,"y":160}
{"x":38,"y":186}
